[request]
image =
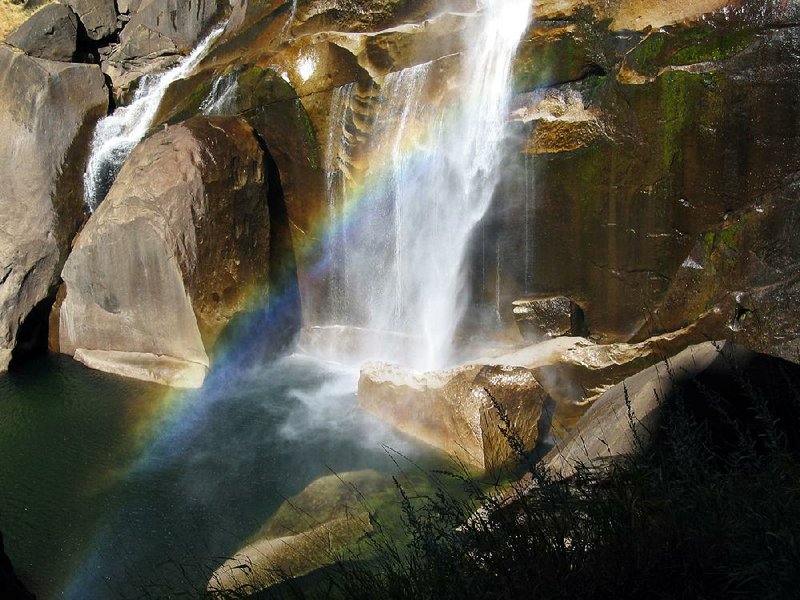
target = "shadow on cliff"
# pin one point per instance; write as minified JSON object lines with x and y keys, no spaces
{"x":268,"y":329}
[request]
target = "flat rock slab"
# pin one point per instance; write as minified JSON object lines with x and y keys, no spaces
{"x":145,"y":367}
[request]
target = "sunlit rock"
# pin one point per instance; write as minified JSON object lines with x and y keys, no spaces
{"x":179,"y":246}
{"x":460,"y":411}
{"x":155,"y":37}
{"x":41,"y":166}
{"x":51,"y":33}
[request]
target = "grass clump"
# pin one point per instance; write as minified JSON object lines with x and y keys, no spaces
{"x":14,"y":14}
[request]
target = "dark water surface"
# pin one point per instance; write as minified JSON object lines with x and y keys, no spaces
{"x":110,"y":488}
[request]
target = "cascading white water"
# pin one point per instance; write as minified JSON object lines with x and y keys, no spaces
{"x":117,"y":134}
{"x":222,"y":96}
{"x":397,"y":253}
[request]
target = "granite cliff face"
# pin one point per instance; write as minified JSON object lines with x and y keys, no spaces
{"x":649,"y":180}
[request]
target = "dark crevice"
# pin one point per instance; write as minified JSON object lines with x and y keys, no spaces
{"x":32,"y":333}
{"x":267,"y":331}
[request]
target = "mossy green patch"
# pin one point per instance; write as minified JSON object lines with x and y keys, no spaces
{"x":680,"y":47}
{"x":545,"y":61}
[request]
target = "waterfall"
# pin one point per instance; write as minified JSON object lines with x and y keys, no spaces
{"x":117,"y":134}
{"x":431,"y":171}
{"x":221,"y":98}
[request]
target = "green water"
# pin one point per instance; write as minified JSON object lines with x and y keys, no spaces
{"x":111,"y":488}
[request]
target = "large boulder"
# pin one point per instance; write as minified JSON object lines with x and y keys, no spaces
{"x":99,"y":17}
{"x":51,"y":33}
{"x":462,"y":411}
{"x":182,"y":22}
{"x":179,"y":246}
{"x":548,"y":316}
{"x":41,"y":167}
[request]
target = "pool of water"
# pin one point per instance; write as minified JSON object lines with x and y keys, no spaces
{"x":110,"y":488}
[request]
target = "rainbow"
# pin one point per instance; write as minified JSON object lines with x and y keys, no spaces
{"x":166,"y":421}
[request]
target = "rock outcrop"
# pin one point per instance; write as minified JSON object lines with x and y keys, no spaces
{"x":155,"y":35}
{"x":719,"y":386}
{"x":41,"y":167}
{"x":99,"y":17}
{"x":179,"y":246}
{"x":307,"y":532}
{"x":747,"y":270}
{"x":460,"y":411}
{"x":51,"y":33}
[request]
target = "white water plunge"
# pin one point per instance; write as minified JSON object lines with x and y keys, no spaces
{"x":117,"y":134}
{"x":403,"y":210}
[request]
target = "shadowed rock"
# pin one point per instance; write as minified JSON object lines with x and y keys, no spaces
{"x":99,"y":17}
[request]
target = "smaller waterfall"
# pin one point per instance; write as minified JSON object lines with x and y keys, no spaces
{"x":221,"y":98}
{"x":117,"y":134}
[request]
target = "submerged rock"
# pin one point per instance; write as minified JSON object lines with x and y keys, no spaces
{"x":41,"y":167}
{"x":269,"y":562}
{"x":179,"y":246}
{"x":51,"y":33}
{"x":460,"y":411}
{"x":308,"y":531}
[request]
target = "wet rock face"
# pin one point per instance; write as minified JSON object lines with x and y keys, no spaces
{"x":179,"y":246}
{"x":552,"y":316}
{"x":51,"y":33}
{"x":460,"y":411}
{"x":745,"y":269}
{"x":625,"y":168}
{"x":41,"y":167}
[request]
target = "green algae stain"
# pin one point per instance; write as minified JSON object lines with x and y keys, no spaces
{"x":682,"y":47}
{"x":678,"y":94}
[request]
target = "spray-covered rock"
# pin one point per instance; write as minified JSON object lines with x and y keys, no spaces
{"x":476,"y":413}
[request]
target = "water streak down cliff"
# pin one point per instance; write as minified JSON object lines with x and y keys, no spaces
{"x":401,"y":226}
{"x":117,"y":134}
